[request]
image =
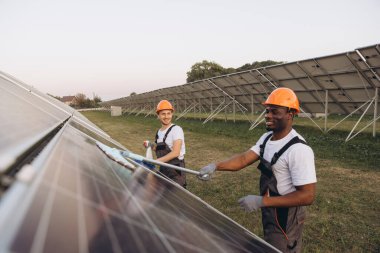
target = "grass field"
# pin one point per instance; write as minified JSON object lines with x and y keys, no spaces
{"x":346,"y":214}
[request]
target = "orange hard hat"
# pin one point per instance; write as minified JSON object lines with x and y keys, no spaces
{"x":164,"y":105}
{"x":283,"y":97}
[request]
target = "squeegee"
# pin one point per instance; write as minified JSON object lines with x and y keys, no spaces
{"x":119,"y":155}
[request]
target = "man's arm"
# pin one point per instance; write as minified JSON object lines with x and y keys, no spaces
{"x":176,"y":149}
{"x":303,"y":195}
{"x":237,"y":162}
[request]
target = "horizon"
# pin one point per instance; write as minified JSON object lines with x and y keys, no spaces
{"x":112,"y":49}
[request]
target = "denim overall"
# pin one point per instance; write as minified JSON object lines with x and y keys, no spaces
{"x":282,"y":226}
{"x":163,"y":149}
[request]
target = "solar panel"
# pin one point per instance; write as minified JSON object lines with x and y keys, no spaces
{"x":344,"y":84}
{"x":46,"y":99}
{"x":71,"y":197}
{"x":351,"y":79}
{"x":24,"y":120}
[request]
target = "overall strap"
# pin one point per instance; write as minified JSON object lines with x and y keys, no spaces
{"x":156,"y":138}
{"x":166,"y":134}
{"x":293,"y":141}
{"x":262,"y":146}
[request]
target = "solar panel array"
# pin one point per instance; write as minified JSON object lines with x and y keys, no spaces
{"x":61,"y":193}
{"x":339,"y":83}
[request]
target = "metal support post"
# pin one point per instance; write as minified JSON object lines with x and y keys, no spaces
{"x":233,"y":109}
{"x":258,"y":120}
{"x":375,"y":112}
{"x":200,"y":109}
{"x":195,"y":109}
{"x":353,"y":129}
{"x":225,"y":113}
{"x":252,"y":104}
{"x":326,"y":107}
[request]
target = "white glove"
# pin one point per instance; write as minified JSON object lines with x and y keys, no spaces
{"x":208,"y":169}
{"x":251,"y":203}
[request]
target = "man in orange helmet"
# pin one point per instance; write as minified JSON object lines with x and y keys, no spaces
{"x":170,"y":143}
{"x":288,"y":178}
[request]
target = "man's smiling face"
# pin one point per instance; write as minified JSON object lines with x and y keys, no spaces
{"x":277,"y":117}
{"x":165,"y":116}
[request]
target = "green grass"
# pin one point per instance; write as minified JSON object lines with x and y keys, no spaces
{"x":345,"y":215}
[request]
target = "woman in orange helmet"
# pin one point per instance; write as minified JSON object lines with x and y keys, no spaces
{"x":288,"y":178}
{"x":170,"y":143}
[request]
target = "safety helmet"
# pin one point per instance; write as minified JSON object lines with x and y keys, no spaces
{"x":164,"y":105}
{"x":283,"y":97}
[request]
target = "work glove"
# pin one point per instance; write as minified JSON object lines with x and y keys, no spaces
{"x":251,"y":203}
{"x":147,"y":144}
{"x":208,"y":169}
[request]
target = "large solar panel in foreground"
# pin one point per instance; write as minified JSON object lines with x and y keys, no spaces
{"x":70,"y":197}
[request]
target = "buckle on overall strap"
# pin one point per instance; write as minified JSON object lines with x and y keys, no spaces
{"x":264,"y":169}
{"x":292,"y":246}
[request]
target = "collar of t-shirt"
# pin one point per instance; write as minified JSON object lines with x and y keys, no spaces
{"x":287,"y":138}
{"x":164,"y":132}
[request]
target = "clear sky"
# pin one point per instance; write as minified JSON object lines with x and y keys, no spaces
{"x":115,"y":47}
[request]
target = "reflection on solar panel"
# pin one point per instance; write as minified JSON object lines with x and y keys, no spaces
{"x":70,"y":197}
{"x":337,"y":84}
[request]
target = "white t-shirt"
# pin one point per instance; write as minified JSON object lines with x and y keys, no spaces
{"x":175,"y":134}
{"x":295,"y":166}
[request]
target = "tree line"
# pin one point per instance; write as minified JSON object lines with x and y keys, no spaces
{"x":207,"y":69}
{"x":199,"y":71}
{"x":80,"y":100}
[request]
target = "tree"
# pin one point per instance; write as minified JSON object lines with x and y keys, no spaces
{"x":96,"y":100}
{"x":203,"y":70}
{"x":246,"y":66}
{"x":207,"y":69}
{"x":132,"y":94}
{"x":258,"y":64}
{"x":80,"y":100}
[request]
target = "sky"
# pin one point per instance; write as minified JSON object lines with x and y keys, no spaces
{"x":111,"y":48}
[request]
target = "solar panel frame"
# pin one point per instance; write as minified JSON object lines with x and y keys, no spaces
{"x":71,"y":191}
{"x":52,"y":191}
{"x":336,"y":84}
